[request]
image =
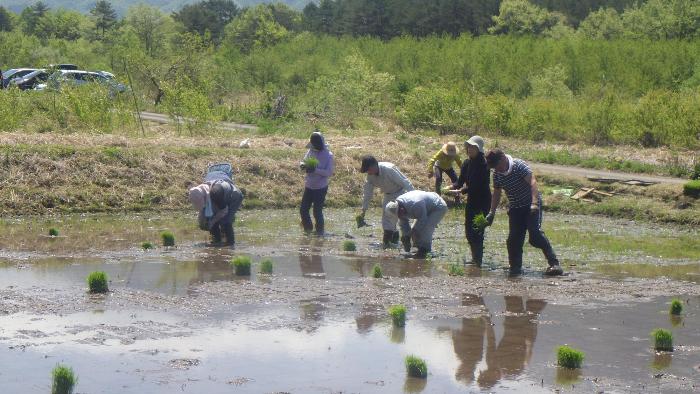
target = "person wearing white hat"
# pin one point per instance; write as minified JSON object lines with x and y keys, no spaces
{"x":474,"y":181}
{"x":442,"y":162}
{"x":427,"y":209}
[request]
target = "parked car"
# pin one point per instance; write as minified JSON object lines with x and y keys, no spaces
{"x":29,"y":81}
{"x":78,"y":78}
{"x":9,"y":75}
{"x":64,"y":66}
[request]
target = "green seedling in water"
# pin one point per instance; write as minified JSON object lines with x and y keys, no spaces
{"x":97,"y":282}
{"x":663,"y":340}
{"x":63,"y":380}
{"x":479,"y":223}
{"x":241,"y":264}
{"x":168,"y":238}
{"x":53,"y":232}
{"x":349,"y":246}
{"x":266,"y":267}
{"x":147,"y":245}
{"x":676,"y":307}
{"x":311,"y":163}
{"x":416,"y":367}
{"x":568,"y":357}
{"x":377,"y":271}
{"x":455,"y":270}
{"x":398,"y":315}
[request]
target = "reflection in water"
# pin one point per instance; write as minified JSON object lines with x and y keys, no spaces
{"x":675,"y":320}
{"x":505,"y":359}
{"x":367,"y":318}
{"x":414,"y":385}
{"x":310,"y":260}
{"x":567,"y":376}
{"x":398,"y":334}
{"x":662,"y":360}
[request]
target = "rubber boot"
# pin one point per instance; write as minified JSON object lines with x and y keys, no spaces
{"x":406,"y":242}
{"x":477,"y":250}
{"x":308,"y":227}
{"x":395,"y":237}
{"x":421,"y":253}
{"x":320,"y":231}
{"x":386,"y":238}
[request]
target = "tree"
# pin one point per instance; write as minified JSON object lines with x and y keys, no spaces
{"x":61,"y":24}
{"x":602,"y":24}
{"x":207,"y":16}
{"x":256,"y":27}
{"x":151,"y":27}
{"x":6,"y":21}
{"x":31,"y":15}
{"x":520,"y":17}
{"x":104,"y":15}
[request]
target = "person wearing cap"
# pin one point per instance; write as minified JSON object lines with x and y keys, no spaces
{"x":392,"y":183}
{"x":442,"y":162}
{"x":217,"y":200}
{"x":316,"y":182}
{"x":427,"y":208}
{"x":474,"y":181}
{"x":524,"y":210}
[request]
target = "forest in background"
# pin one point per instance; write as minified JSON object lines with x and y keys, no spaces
{"x":541,"y":70}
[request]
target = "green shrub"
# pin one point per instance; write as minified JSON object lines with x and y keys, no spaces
{"x":377,"y":271}
{"x":568,"y":357}
{"x":663,"y":340}
{"x":455,"y":270}
{"x":168,"y":238}
{"x":97,"y":282}
{"x":53,"y":232}
{"x":692,"y":189}
{"x":242,"y":265}
{"x":147,"y":245}
{"x":266,"y":267}
{"x":64,"y":380}
{"x":398,"y":315}
{"x":676,"y":307}
{"x":349,"y":246}
{"x":416,"y":367}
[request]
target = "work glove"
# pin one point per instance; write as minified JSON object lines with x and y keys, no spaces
{"x":490,"y":217}
{"x":302,"y":166}
{"x":534,"y":209}
{"x":406,"y":242}
{"x":430,"y":174}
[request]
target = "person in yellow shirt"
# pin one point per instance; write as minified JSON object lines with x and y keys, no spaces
{"x":442,"y":162}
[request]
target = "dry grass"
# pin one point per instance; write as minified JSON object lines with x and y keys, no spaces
{"x":44,"y":173}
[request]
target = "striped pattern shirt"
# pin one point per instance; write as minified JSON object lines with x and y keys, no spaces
{"x":517,"y":189}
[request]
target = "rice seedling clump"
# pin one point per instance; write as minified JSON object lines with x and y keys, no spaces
{"x":168,"y":238}
{"x":663,"y":340}
{"x":97,"y":282}
{"x":377,"y":271}
{"x":349,"y":246}
{"x":63,"y":380}
{"x":416,"y":367}
{"x":676,"y":307}
{"x":398,"y":315}
{"x":266,"y":267}
{"x":569,"y":357}
{"x":241,"y":265}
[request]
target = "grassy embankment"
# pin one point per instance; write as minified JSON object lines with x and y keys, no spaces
{"x":82,"y":172}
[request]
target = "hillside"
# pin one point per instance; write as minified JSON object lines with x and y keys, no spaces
{"x":122,"y":5}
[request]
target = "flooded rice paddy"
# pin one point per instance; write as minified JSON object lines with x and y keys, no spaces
{"x":179,"y":320}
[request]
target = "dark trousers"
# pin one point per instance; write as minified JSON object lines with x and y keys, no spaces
{"x":317,"y":198}
{"x":224,"y":225}
{"x":438,"y":178}
{"x":475,"y":238}
{"x":520,"y":221}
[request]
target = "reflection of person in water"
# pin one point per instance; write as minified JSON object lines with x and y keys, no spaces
{"x":310,"y":262}
{"x":469,"y":341}
{"x":508,"y":359}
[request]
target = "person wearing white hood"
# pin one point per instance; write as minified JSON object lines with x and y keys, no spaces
{"x":524,"y":210}
{"x":427,"y":208}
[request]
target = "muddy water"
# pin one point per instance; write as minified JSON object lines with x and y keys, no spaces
{"x":179,"y":320}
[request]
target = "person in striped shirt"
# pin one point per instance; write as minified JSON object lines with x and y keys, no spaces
{"x":524,"y":210}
